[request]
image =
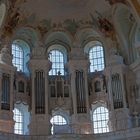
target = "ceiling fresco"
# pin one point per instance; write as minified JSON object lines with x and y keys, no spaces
{"x":45,"y":15}
{"x":59,"y":10}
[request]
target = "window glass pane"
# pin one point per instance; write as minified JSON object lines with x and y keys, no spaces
{"x":57,"y":59}
{"x":17,"y":53}
{"x":96,"y":58}
{"x":57,"y":120}
{"x":18,"y":117}
{"x":100,"y":120}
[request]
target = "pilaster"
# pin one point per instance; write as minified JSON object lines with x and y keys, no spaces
{"x":40,"y":123}
{"x":119,"y":116}
{"x":79,"y":63}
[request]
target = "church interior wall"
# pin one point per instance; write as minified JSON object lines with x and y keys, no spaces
{"x":69,"y":78}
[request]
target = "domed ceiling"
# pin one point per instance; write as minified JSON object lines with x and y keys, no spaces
{"x":58,"y":10}
{"x":44,"y":15}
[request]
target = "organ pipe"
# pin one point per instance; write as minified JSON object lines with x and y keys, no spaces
{"x":117,"y":91}
{"x":80,"y":92}
{"x":59,"y":87}
{"x":5,"y":101}
{"x":39,"y":92}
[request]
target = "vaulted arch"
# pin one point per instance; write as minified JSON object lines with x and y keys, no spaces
{"x":2,"y":12}
{"x":124,"y":22}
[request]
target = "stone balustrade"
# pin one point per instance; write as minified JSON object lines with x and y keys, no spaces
{"x":129,"y":134}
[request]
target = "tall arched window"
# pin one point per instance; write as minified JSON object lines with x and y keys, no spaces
{"x":18,"y":117}
{"x":20,"y":52}
{"x":57,"y":59}
{"x":57,"y":120}
{"x":96,"y":57}
{"x":100,"y":120}
{"x":21,"y":116}
{"x":17,"y":53}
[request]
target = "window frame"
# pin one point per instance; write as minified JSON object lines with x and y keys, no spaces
{"x":26,"y":50}
{"x":24,"y":108}
{"x":99,"y":127}
{"x":88,"y":45}
{"x":61,"y":68}
{"x":98,"y":51}
{"x":63,"y":122}
{"x":19,"y":65}
{"x":18,"y":114}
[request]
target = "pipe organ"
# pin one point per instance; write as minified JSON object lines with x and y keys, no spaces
{"x":67,"y":95}
{"x":62,"y":58}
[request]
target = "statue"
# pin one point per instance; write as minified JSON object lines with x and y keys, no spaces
{"x":114,"y":57}
{"x":113,"y":51}
{"x":5,"y":56}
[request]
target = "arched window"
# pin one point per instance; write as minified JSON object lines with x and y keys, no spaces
{"x":100,"y":120}
{"x":57,"y":59}
{"x":96,"y":57}
{"x":57,"y":120}
{"x":20,"y":52}
{"x":17,"y":53}
{"x":21,"y":116}
{"x":18,"y":117}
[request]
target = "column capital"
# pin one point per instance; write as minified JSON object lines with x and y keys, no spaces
{"x":78,"y":65}
{"x":35,"y":64}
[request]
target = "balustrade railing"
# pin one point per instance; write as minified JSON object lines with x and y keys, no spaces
{"x":129,"y":134}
